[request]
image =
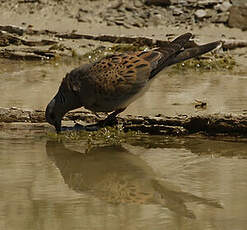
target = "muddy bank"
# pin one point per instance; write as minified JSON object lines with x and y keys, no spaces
{"x":72,"y":28}
{"x":158,"y":125}
{"x":28,"y":44}
{"x":136,"y":13}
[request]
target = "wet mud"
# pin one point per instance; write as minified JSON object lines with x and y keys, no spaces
{"x":214,"y":124}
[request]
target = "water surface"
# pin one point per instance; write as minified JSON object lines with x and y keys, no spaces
{"x":176,"y":183}
{"x":143,"y":183}
{"x":31,"y":86}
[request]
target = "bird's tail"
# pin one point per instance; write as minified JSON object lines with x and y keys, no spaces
{"x":181,"y":49}
{"x":188,"y":53}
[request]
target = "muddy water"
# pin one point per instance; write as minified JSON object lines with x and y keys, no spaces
{"x":33,"y":85}
{"x":144,"y":183}
{"x":175,"y":184}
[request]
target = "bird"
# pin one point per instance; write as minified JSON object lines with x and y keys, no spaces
{"x":115,"y":81}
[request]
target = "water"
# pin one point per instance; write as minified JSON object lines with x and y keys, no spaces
{"x":178,"y":183}
{"x":143,"y":183}
{"x":32,"y":86}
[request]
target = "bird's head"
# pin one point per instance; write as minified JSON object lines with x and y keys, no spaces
{"x":53,"y":113}
{"x":67,"y":98}
{"x":58,"y":106}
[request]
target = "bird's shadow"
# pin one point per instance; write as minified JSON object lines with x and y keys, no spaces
{"x":115,"y":175}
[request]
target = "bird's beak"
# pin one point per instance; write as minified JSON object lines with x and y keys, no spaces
{"x":58,"y":127}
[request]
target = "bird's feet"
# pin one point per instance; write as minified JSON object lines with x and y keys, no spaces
{"x":109,"y":121}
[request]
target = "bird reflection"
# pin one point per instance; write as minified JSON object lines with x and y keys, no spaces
{"x":115,"y":175}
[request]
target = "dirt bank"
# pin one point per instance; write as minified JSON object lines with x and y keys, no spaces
{"x":216,"y":124}
{"x":47,"y":29}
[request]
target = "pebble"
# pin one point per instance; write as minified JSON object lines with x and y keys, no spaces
{"x":158,"y":2}
{"x":225,"y":6}
{"x":200,"y":13}
{"x":144,"y":13}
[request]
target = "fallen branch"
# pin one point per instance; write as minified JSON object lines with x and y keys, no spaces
{"x":159,"y":125}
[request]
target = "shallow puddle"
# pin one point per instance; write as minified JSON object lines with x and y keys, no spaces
{"x":150,"y":183}
{"x":144,"y":183}
{"x":31,"y":86}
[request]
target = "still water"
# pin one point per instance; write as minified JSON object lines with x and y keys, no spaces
{"x":31,"y":86}
{"x":172,"y":183}
{"x":142,"y":183}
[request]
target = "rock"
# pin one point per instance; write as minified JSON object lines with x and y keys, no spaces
{"x":116,"y":5}
{"x":200,"y":14}
{"x":156,"y":19}
{"x":211,"y":13}
{"x":221,"y":17}
{"x":192,"y":1}
{"x":239,"y":2}
{"x":173,"y":2}
{"x":158,"y":2}
{"x":6,"y":39}
{"x":225,"y":6}
{"x":207,"y":3}
{"x":238,"y":17}
{"x":177,"y":11}
{"x":12,"y":30}
{"x":138,"y":3}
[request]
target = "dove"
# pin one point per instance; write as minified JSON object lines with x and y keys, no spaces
{"x":115,"y":81}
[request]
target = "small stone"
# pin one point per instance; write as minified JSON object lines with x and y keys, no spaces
{"x":156,"y":19}
{"x":137,"y":24}
{"x":211,"y":13}
{"x":119,"y":23}
{"x":182,"y":2}
{"x":221,"y":17}
{"x":131,"y":9}
{"x":177,"y":11}
{"x":110,"y":23}
{"x":225,"y":6}
{"x":138,"y":3}
{"x":207,"y":3}
{"x":201,"y":14}
{"x":115,"y":5}
{"x":158,"y":2}
{"x":173,"y":2}
{"x":239,"y":2}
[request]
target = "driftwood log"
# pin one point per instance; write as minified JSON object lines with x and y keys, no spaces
{"x":215,"y":124}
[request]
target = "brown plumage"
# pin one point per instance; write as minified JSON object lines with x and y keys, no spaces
{"x":115,"y":81}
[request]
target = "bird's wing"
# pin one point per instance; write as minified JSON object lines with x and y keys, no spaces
{"x":123,"y":73}
{"x":126,"y":74}
{"x":129,"y":72}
